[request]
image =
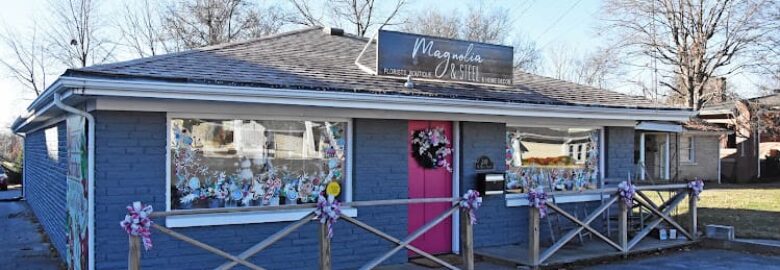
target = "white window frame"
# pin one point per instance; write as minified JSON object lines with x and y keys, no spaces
{"x":690,"y":152}
{"x":517,"y":200}
{"x":251,"y":217}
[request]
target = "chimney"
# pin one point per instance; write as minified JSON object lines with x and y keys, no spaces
{"x":333,"y":31}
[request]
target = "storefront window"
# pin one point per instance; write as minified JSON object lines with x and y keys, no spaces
{"x":556,"y":159}
{"x":231,"y":163}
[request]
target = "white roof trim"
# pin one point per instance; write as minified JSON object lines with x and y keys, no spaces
{"x":659,"y":126}
{"x":193,"y":91}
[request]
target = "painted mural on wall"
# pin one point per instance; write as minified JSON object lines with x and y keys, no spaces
{"x":77,"y":210}
{"x":556,"y":159}
{"x":232,"y":163}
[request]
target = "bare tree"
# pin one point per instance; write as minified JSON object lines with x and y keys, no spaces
{"x":692,"y":41}
{"x":528,"y":57}
{"x":561,"y":62}
{"x":28,"y":62}
{"x":595,"y":69}
{"x":208,"y":22}
{"x":362,"y":15}
{"x":767,"y":57}
{"x":142,"y":30}
{"x":434,"y":23}
{"x":480,"y":25}
{"x":75,"y":34}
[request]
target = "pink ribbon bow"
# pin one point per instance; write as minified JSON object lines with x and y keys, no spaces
{"x":328,"y":212}
{"x":538,"y":200}
{"x":471,"y":201}
{"x":696,"y":186}
{"x":626,"y":191}
{"x":137,"y":222}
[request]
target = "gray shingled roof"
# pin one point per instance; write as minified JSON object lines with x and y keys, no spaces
{"x":311,"y":59}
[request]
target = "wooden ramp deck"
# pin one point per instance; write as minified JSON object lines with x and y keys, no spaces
{"x":589,"y":250}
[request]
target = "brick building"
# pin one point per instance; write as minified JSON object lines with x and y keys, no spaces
{"x":273,"y":120}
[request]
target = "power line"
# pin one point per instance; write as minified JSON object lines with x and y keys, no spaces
{"x":520,"y":15}
{"x":559,"y":19}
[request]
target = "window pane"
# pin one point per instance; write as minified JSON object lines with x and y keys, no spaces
{"x":227,"y":163}
{"x":687,"y":149}
{"x":557,"y":159}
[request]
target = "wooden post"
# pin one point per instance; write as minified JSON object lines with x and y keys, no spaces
{"x":694,"y":216}
{"x":134,"y":253}
{"x":324,"y":247}
{"x":533,"y":236}
{"x":466,"y":240}
{"x":623,"y":227}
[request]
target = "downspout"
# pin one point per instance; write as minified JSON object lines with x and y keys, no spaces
{"x":90,"y":172}
{"x":24,"y":162}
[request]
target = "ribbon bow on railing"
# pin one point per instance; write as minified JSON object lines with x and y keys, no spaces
{"x":538,"y":199}
{"x":328,"y":211}
{"x":471,"y":201}
{"x":696,"y":186}
{"x":137,"y":222}
{"x":626,"y":190}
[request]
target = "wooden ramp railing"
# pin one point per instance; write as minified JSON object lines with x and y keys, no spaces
{"x":466,"y":234}
{"x":623,"y":244}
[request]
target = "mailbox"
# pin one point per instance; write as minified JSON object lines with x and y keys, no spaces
{"x":491,"y":183}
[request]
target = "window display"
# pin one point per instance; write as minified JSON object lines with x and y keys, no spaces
{"x":230,"y":163}
{"x":556,"y":159}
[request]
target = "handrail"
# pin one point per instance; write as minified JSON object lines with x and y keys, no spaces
{"x":204,"y":211}
{"x":537,"y":257}
{"x":467,"y":246}
{"x":605,"y":190}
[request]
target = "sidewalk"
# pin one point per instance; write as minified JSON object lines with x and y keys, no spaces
{"x":711,"y":259}
{"x":22,"y":246}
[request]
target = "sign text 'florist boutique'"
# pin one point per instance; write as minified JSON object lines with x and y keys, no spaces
{"x":278,"y":121}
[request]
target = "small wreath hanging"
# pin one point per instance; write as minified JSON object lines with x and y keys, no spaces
{"x":430,"y":147}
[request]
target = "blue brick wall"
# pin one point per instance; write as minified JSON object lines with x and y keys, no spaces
{"x":130,"y":165}
{"x":620,"y":152}
{"x":497,"y":224}
{"x":46,"y":184}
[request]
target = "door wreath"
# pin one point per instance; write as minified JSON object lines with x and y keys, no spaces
{"x":430,"y":147}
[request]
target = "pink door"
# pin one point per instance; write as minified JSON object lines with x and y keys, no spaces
{"x":430,"y":183}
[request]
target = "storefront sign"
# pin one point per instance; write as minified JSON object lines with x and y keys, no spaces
{"x":404,"y":54}
{"x":77,"y":211}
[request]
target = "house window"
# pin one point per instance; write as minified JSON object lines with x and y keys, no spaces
{"x":557,"y":159}
{"x":687,"y":149}
{"x":234,"y":162}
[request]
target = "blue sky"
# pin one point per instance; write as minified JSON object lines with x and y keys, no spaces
{"x":568,"y":23}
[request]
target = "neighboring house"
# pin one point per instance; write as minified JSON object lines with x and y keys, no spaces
{"x":274,"y":120}
{"x":753,"y":135}
{"x":699,"y":151}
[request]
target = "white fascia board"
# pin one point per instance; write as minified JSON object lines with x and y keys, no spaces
{"x":663,"y":127}
{"x":189,"y":91}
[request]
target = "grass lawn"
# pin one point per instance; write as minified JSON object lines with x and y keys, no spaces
{"x":753,"y":209}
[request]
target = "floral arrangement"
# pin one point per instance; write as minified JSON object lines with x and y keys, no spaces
{"x":549,"y":161}
{"x":137,"y":222}
{"x":557,"y":179}
{"x":199,"y":186}
{"x":471,"y":201}
{"x":537,"y":198}
{"x":328,"y":211}
{"x":696,"y":186}
{"x":626,"y":190}
{"x":430,"y":147}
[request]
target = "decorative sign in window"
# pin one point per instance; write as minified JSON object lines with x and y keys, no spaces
{"x":557,"y":159}
{"x":231,"y":163}
{"x":404,"y":54}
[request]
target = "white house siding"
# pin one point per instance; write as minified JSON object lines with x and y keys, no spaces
{"x":705,"y":163}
